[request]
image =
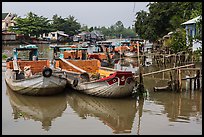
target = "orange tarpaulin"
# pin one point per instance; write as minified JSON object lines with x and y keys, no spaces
{"x":122,"y":48}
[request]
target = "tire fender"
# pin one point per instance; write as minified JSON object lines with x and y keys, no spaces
{"x":47,"y":72}
{"x":75,"y":82}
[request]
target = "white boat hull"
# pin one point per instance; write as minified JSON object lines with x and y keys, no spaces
{"x":113,"y":88}
{"x":36,"y":85}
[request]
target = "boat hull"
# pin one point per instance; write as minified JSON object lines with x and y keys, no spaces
{"x":116,"y":86}
{"x":36,"y":85}
{"x":103,"y":89}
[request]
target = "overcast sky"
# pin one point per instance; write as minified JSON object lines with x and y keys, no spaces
{"x":87,"y":13}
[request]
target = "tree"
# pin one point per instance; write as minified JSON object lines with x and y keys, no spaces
{"x":164,"y":17}
{"x":69,"y":25}
{"x":32,"y":25}
{"x":91,"y":29}
{"x":177,"y":41}
{"x":84,"y":28}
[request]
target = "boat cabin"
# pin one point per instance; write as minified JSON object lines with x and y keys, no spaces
{"x":27,"y":56}
{"x":125,"y":43}
{"x":133,"y":45}
{"x":30,"y":51}
{"x":73,"y":53}
{"x":104,"y":46}
{"x":69,"y":52}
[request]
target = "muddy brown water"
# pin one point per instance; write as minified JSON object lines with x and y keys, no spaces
{"x":73,"y":113}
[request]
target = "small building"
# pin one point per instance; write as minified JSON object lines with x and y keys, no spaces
{"x":7,"y":20}
{"x":191,"y":30}
{"x":89,"y":36}
{"x":56,"y":36}
{"x":8,"y":36}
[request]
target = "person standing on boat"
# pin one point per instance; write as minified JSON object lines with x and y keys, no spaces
{"x":31,"y":55}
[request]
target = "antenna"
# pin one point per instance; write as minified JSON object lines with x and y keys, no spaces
{"x":134,"y":7}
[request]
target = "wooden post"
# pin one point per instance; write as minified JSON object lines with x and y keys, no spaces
{"x":144,"y":60}
{"x":198,"y":79}
{"x":190,"y":84}
{"x":171,"y":81}
{"x":15,"y":65}
{"x":141,"y":85}
{"x":138,"y":52}
{"x":179,"y":59}
{"x":179,"y":80}
{"x":163,"y":60}
{"x":141,"y":78}
{"x":176,"y":80}
{"x":195,"y":83}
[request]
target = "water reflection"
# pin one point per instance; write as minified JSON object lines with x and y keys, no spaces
{"x":180,"y":107}
{"x":43,"y":109}
{"x":118,"y":114}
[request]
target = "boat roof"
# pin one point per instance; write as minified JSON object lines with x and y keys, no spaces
{"x":140,"y":40}
{"x":104,"y":42}
{"x":66,"y":48}
{"x":59,"y":46}
{"x":125,"y":42}
{"x":27,"y":47}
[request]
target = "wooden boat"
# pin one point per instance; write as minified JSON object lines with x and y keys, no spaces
{"x":104,"y":52}
{"x":135,"y":46}
{"x":76,"y":53}
{"x":42,"y":80}
{"x":117,"y":114}
{"x":89,"y":77}
{"x":42,"y":109}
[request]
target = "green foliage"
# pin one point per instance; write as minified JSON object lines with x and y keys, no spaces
{"x":84,"y":28}
{"x":4,"y":56}
{"x":178,"y":41}
{"x":91,"y":29}
{"x":197,"y":54}
{"x":69,"y":25}
{"x":164,"y":17}
{"x":116,"y":30}
{"x":32,"y":25}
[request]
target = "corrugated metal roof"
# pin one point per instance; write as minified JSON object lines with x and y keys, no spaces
{"x":192,"y":21}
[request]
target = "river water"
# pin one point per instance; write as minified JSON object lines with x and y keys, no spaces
{"x":72,"y":113}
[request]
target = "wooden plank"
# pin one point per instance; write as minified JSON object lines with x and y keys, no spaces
{"x":15,"y":65}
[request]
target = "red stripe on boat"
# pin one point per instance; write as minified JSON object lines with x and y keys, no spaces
{"x":120,"y":76}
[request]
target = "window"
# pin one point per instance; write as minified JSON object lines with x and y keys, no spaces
{"x":191,"y":32}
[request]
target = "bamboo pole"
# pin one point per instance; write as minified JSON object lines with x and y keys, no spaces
{"x":146,"y":74}
{"x":72,"y":65}
{"x":190,"y":69}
